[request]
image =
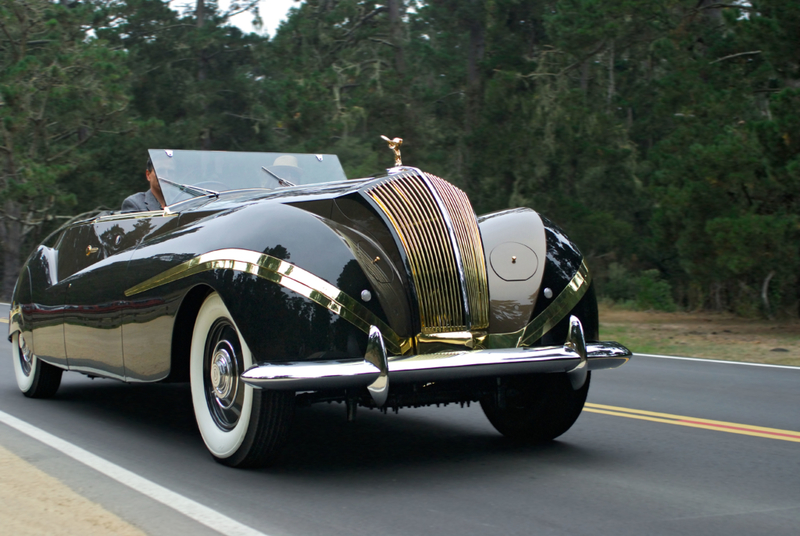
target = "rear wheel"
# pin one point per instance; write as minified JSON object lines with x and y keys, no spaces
{"x":241,"y":426}
{"x":535,"y":408}
{"x":35,"y":378}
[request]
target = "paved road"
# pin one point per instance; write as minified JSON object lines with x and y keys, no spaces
{"x":445,"y":471}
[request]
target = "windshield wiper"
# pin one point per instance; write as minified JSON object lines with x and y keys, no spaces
{"x":189,"y":189}
{"x":282,"y":182}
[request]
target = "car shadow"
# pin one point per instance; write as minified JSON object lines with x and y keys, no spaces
{"x":322,"y":443}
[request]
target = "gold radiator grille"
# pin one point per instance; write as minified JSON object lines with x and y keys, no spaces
{"x":439,"y":232}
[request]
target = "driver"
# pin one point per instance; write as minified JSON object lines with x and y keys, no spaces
{"x":152,"y":199}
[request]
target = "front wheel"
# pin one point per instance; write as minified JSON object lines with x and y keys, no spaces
{"x":241,"y":426}
{"x":35,"y":378}
{"x":535,"y":408}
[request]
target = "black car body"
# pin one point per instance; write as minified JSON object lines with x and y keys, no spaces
{"x":271,"y":281}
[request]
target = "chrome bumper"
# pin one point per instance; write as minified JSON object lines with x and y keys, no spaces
{"x":374,"y":371}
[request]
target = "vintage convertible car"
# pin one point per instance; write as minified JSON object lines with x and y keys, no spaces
{"x":271,"y":281}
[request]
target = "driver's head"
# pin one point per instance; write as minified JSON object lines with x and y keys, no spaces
{"x":152,"y":178}
{"x":286,"y":167}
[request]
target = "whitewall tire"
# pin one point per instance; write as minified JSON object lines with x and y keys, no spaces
{"x":241,"y":426}
{"x":35,"y":378}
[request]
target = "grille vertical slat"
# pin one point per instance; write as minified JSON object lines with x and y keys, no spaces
{"x":471,"y":248}
{"x":443,"y":291}
{"x":440,"y":235}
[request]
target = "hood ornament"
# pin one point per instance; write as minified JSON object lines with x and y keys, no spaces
{"x":394,"y":145}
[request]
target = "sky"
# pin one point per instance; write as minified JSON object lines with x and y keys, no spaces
{"x":273,"y":12}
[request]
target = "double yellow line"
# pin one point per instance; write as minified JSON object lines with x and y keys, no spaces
{"x":693,"y":422}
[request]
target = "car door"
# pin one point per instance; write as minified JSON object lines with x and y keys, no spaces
{"x":96,"y":277}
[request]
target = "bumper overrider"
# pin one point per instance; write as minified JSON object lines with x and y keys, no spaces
{"x":375,"y":371}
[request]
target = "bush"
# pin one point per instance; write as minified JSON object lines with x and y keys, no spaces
{"x":652,"y":292}
{"x":619,"y":286}
{"x":645,"y":291}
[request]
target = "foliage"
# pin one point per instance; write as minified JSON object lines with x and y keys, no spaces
{"x":646,"y":291}
{"x":60,"y":88}
{"x":661,"y":134}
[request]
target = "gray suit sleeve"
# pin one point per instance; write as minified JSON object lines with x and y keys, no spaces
{"x":134,"y":203}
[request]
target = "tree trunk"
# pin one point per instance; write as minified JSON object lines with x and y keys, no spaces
{"x":477,"y":48}
{"x":200,"y":12}
{"x":585,"y":77}
{"x":611,"y":82}
{"x":11,"y":237}
{"x":395,"y":8}
{"x":202,"y":71}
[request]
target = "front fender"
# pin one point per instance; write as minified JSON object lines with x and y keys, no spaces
{"x":252,"y":257}
{"x":537,"y":278}
{"x":515,"y":249}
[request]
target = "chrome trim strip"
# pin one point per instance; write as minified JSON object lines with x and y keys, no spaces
{"x":135,"y":215}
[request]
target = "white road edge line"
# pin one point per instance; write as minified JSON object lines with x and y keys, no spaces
{"x":703,"y":360}
{"x":192,"y":509}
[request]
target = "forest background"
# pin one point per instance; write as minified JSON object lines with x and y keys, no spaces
{"x":662,"y":135}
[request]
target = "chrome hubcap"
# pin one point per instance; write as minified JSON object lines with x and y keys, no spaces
{"x":224,"y":374}
{"x":222,"y":365}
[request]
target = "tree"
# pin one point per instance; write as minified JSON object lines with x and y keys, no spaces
{"x":60,"y":88}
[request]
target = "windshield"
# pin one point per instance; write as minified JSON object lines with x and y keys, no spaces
{"x":186,"y":174}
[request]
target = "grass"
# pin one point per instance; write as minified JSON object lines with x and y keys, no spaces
{"x":705,"y":335}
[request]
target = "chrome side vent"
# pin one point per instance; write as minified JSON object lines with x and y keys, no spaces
{"x":439,"y":232}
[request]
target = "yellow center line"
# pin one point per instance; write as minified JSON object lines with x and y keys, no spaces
{"x":694,"y":422}
{"x":3,"y":320}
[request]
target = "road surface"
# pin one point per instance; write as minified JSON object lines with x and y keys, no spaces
{"x":664,"y":446}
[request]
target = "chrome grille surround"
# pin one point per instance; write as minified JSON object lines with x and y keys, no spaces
{"x":439,"y":233}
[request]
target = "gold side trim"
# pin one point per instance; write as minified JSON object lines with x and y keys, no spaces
{"x":287,"y":275}
{"x":323,"y":293}
{"x":547,"y":319}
